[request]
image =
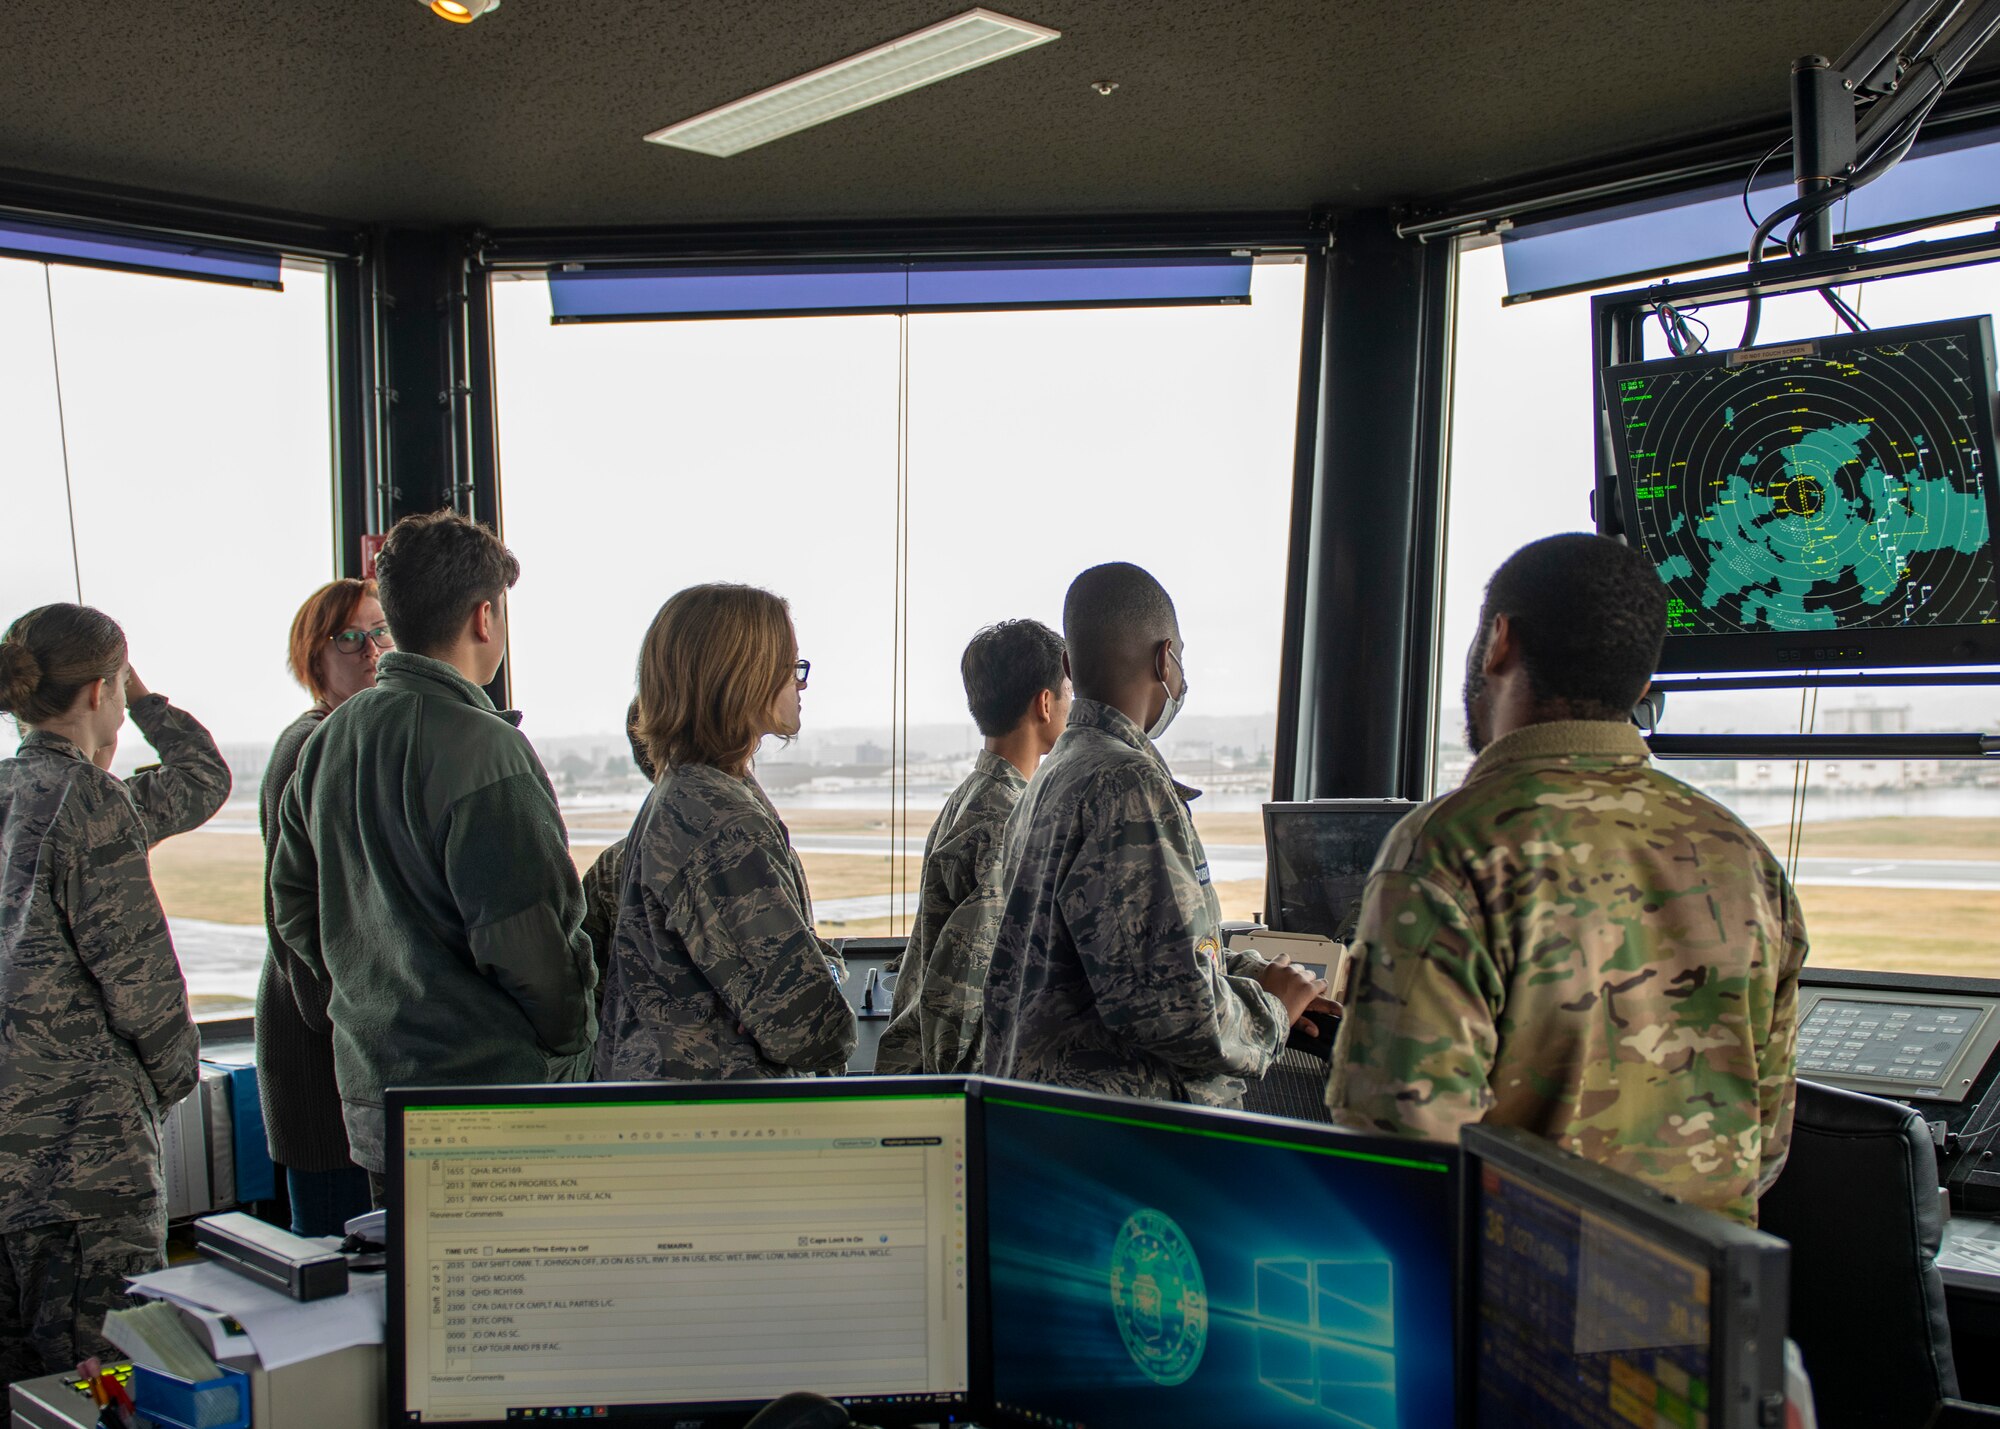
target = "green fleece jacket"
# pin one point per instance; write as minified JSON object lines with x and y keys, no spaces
{"x":422,"y":876}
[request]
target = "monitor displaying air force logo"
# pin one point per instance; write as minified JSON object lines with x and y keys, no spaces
{"x":1158,"y":1298}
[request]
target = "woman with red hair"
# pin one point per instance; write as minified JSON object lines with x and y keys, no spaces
{"x":337,"y":636}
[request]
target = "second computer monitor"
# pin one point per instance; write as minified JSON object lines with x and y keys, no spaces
{"x":1156,"y":1265}
{"x":1319,"y":856}
{"x":1594,"y":1302}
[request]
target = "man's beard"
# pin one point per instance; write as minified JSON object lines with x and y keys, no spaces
{"x":1475,"y":695}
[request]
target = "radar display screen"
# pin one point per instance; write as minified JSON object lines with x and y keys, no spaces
{"x":1825,"y":503}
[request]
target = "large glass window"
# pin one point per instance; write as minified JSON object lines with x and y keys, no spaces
{"x":200,"y":481}
{"x":1897,"y":862}
{"x":640,"y":458}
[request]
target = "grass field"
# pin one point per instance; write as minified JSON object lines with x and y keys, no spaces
{"x":218,"y":877}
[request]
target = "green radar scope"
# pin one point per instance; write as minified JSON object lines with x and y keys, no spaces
{"x":1821,"y":504}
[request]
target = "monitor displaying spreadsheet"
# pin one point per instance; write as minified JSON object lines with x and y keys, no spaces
{"x":599,"y":1252}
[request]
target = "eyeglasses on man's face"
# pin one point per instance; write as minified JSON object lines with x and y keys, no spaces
{"x":348,"y":642}
{"x":801,"y":669}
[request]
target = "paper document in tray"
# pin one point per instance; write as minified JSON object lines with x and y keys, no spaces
{"x":682,"y":1253}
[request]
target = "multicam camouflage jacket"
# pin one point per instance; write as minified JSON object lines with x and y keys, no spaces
{"x":934,"y":1023}
{"x":1575,"y":943}
{"x":715,"y":969}
{"x":1109,"y":973}
{"x":95,"y":1036}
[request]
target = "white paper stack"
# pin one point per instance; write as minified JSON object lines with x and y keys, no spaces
{"x":157,"y":1337}
{"x":283,"y":1331}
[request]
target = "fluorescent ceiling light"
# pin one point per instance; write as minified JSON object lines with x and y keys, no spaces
{"x":942,"y":50}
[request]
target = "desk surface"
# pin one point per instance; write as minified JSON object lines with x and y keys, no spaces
{"x":1970,"y":1255}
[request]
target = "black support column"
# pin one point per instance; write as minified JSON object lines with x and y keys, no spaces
{"x":1366,"y":656}
{"x":421,"y":286}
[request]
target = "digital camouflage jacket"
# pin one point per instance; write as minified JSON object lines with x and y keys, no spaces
{"x":1578,"y":944}
{"x":1108,"y":973}
{"x":95,"y":1036}
{"x":934,"y":1023}
{"x":715,"y":969}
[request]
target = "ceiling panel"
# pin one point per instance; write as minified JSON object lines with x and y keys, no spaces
{"x":374,"y":109}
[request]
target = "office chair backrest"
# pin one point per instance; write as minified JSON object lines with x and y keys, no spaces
{"x":1858,"y":1200}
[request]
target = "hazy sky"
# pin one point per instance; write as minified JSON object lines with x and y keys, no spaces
{"x":199,"y":458}
{"x":640,"y":458}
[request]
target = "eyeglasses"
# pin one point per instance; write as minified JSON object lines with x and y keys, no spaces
{"x":349,"y":641}
{"x":801,"y":670}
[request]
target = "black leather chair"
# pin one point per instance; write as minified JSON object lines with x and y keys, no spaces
{"x":1858,"y":1200}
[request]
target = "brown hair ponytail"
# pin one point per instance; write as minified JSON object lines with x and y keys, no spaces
{"x":50,"y":654}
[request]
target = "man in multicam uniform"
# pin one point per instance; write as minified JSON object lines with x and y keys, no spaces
{"x":1019,"y":697}
{"x":1109,"y":973}
{"x":96,"y":1041}
{"x":1572,"y":941}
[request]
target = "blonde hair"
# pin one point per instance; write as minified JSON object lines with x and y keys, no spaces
{"x":713,"y":661}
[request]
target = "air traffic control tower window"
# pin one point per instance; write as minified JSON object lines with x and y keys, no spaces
{"x":639,"y":458}
{"x":1897,"y":862}
{"x":180,"y":477}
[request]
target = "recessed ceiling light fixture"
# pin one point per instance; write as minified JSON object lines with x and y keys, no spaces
{"x":924,"y":57}
{"x":460,"y":12}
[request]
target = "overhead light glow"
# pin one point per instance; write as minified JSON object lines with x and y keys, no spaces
{"x":460,"y":12}
{"x":942,"y":50}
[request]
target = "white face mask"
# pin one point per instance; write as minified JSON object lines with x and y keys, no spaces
{"x":1174,"y":702}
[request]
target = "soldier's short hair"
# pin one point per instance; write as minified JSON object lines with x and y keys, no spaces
{"x":434,"y":571}
{"x":326,"y":612}
{"x":711,"y":665}
{"x":1114,"y":616}
{"x":1005,"y":667}
{"x":1589,"y":614}
{"x":50,"y":654}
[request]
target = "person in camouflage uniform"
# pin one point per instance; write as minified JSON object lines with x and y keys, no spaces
{"x":1573,"y":942}
{"x":716,"y":971}
{"x":1019,"y":698}
{"x":1109,"y":973}
{"x":604,"y":880}
{"x":96,"y":1042}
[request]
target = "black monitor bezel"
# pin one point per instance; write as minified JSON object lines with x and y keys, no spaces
{"x":1285,"y":808}
{"x":1749,"y":1271}
{"x":1180,"y":1116}
{"x":1909,"y":647}
{"x":718,"y":1416}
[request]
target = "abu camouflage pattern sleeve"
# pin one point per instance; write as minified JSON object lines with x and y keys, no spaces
{"x":768,"y":968}
{"x":190,"y":782}
{"x":121,"y":940}
{"x":1135,"y":904}
{"x":952,"y":997}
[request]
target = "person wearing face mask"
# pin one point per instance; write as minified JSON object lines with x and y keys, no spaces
{"x":96,"y":1041}
{"x":1571,"y":941}
{"x":1109,"y":973}
{"x":337,"y":636}
{"x":716,"y":972}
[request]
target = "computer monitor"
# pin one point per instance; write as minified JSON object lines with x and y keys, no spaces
{"x":1594,"y":1302}
{"x":1817,"y":504}
{"x":678,"y":1254}
{"x":1150,"y":1264}
{"x":1318,"y":856}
